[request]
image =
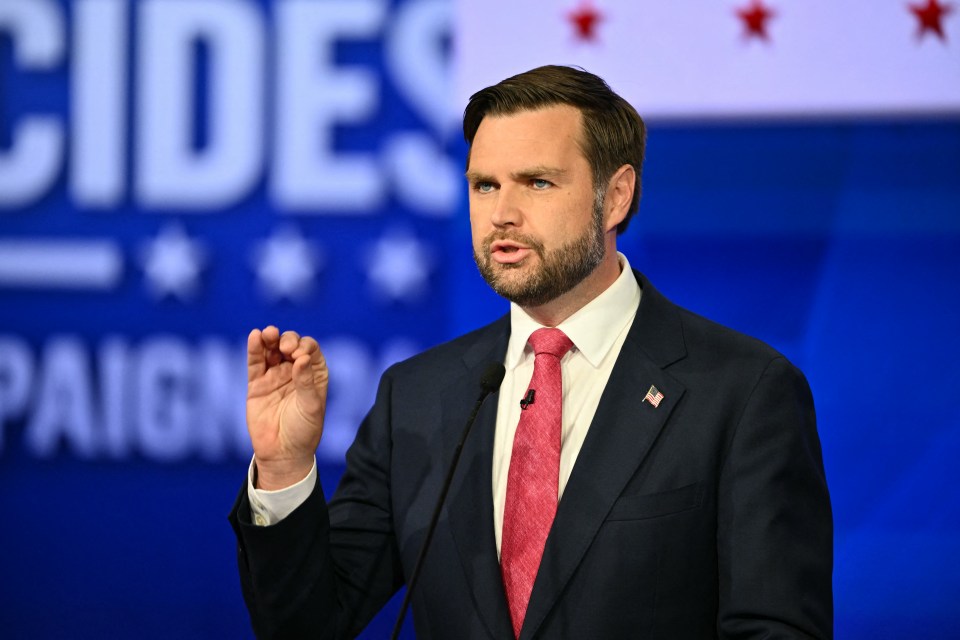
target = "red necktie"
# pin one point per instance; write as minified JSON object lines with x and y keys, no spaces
{"x":534,"y":476}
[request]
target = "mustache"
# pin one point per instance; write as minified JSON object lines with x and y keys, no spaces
{"x":512,"y":236}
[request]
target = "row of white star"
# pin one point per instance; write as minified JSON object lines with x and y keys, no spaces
{"x":286,"y":263}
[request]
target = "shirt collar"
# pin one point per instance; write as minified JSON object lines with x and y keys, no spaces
{"x":593,"y":329}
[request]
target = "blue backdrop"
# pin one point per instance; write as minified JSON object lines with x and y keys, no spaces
{"x":173,"y":174}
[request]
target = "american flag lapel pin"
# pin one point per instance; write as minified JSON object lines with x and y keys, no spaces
{"x":653,"y":396}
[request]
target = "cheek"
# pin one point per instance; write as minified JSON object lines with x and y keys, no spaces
{"x":479,"y":215}
{"x":478,"y":229}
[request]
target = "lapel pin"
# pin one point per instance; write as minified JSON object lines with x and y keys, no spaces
{"x":653,"y":396}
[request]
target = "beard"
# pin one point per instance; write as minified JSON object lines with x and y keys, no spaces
{"x":559,"y":270}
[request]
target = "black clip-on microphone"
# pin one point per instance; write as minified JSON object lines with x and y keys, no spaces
{"x":528,"y":399}
{"x":489,"y":382}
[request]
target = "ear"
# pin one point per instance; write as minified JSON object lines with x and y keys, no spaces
{"x":619,"y":196}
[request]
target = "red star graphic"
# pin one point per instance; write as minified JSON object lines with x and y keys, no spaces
{"x":931,"y":17}
{"x":755,"y":19}
{"x":585,"y":20}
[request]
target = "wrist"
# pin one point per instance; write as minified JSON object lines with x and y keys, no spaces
{"x":276,"y":475}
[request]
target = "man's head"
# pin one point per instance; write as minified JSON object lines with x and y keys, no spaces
{"x":613,"y":133}
{"x":553,"y":179}
{"x":540,"y":228}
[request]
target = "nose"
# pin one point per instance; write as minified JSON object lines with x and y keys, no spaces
{"x":506,"y":211}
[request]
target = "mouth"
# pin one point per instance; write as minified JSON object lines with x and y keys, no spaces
{"x":508,"y":252}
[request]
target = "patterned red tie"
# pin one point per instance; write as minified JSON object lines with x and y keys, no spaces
{"x":534,"y":476}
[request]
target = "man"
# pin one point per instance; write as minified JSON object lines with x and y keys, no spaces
{"x":662,"y":477}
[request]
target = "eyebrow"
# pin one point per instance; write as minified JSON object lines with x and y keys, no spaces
{"x":541,"y":171}
{"x":474,"y":176}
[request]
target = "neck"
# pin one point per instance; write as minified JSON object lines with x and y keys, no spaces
{"x":559,"y":309}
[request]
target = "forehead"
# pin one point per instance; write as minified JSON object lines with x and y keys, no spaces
{"x":552,"y":134}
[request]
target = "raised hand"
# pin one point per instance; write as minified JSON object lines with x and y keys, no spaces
{"x":286,"y":398}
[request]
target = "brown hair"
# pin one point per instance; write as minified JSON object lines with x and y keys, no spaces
{"x":614,"y":133}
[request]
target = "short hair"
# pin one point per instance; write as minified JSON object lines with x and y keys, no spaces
{"x":613,"y":132}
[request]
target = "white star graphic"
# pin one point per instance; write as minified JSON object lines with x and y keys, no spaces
{"x":172,"y":262}
{"x":398,"y":266}
{"x":285,"y":264}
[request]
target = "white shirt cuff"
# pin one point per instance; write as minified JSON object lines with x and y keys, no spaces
{"x":270,"y":507}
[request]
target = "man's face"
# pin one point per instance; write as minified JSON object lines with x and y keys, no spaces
{"x":538,"y":230}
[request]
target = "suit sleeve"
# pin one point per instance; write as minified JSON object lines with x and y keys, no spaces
{"x":775,"y":528}
{"x":325,"y":570}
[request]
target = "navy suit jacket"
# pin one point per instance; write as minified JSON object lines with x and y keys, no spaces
{"x":707,"y":516}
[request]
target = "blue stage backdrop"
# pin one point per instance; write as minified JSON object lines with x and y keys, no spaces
{"x":176,"y":172}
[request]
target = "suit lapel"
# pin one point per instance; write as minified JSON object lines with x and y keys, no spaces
{"x":470,"y":502}
{"x":623,"y":430}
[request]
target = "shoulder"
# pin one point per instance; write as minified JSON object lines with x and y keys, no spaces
{"x":448,"y":359}
{"x":685,"y":341}
{"x":728,"y":359}
{"x":708,"y":339}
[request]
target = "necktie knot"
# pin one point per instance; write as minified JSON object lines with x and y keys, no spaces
{"x":550,"y":340}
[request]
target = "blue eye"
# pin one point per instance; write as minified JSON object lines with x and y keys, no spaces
{"x":483,"y":187}
{"x":540,"y":183}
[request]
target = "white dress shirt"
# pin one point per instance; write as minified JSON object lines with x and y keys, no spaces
{"x":597,"y":331}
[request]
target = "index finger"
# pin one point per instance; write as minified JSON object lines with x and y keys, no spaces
{"x":262,"y":351}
